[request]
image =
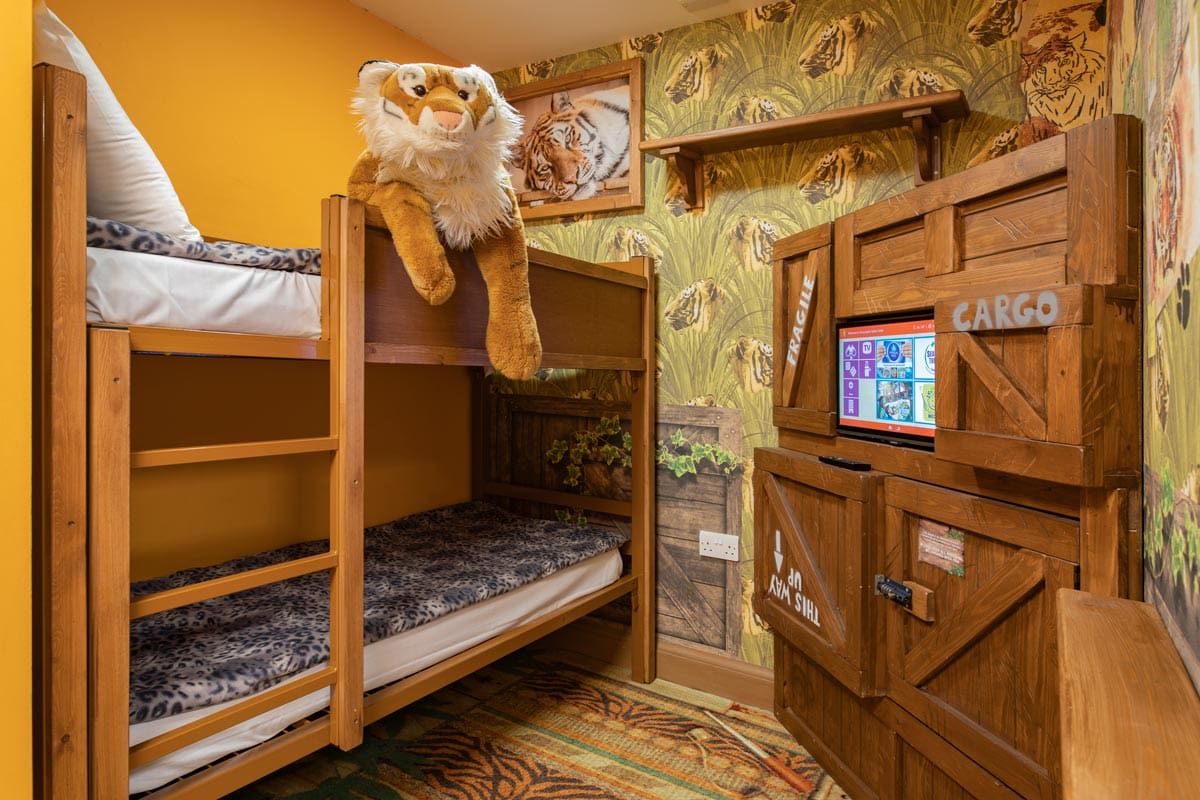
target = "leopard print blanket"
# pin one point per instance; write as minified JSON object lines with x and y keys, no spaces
{"x":416,"y":569}
{"x":119,"y":236}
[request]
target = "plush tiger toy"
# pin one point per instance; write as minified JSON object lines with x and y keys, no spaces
{"x":578,"y":144}
{"x":753,"y":362}
{"x":835,"y":49}
{"x":753,"y":241}
{"x":695,"y":306}
{"x":437,"y":140}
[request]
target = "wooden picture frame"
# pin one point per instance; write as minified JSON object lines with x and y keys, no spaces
{"x":538,"y":103}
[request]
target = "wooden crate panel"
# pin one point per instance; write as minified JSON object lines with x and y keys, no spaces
{"x":805,"y":395}
{"x":1020,"y":219}
{"x":815,"y":531}
{"x":899,"y":250}
{"x":978,"y":669}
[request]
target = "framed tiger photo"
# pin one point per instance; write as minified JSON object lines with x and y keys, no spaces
{"x":578,"y":151}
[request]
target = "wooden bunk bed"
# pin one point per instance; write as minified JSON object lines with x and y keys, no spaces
{"x":589,"y":315}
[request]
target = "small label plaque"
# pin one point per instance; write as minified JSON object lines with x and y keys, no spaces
{"x":941,"y":546}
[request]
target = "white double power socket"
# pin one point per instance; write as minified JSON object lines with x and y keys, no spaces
{"x":719,"y":545}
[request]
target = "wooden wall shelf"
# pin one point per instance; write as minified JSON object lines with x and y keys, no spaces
{"x":924,"y":114}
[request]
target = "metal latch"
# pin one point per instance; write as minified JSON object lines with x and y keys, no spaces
{"x":894,"y":590}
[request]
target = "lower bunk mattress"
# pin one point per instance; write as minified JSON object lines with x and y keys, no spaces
{"x":435,"y":584}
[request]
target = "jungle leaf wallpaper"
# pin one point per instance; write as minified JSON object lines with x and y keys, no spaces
{"x":1154,"y":59}
{"x":1029,"y":68}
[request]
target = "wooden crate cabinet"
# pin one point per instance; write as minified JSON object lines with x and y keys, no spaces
{"x":1029,"y":267}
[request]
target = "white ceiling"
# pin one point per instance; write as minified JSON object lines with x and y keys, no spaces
{"x":501,"y":34}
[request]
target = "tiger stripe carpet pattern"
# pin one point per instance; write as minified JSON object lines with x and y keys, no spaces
{"x":525,"y":730}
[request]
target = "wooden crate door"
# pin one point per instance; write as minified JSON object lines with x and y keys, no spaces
{"x":814,"y":526}
{"x":981,"y":671}
{"x":805,"y":396}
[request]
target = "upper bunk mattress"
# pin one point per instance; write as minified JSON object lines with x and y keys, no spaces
{"x":133,"y":288}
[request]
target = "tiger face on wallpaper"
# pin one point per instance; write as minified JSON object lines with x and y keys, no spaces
{"x":753,"y":362}
{"x":753,"y":241}
{"x":640,"y":45}
{"x":911,"y":82}
{"x":1006,"y":141}
{"x":695,"y":306}
{"x":996,"y":21}
{"x":835,"y":175}
{"x":536,"y":70}
{"x":577,"y":145}
{"x":750,"y":109}
{"x":768,"y":13}
{"x":702,"y":401}
{"x":673,"y":197}
{"x":627,"y":243}
{"x":696,"y":76}
{"x":836,"y":47}
{"x":1064,"y":81}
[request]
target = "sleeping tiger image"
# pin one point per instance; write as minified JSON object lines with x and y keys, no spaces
{"x":768,"y":13}
{"x":751,"y":109}
{"x":577,"y":145}
{"x":996,"y":21}
{"x":695,"y":77}
{"x":674,"y":194}
{"x":536,"y":70}
{"x":753,"y":362}
{"x":626,"y":243}
{"x":912,"y":82}
{"x":753,"y":241}
{"x":696,"y":306}
{"x":1064,"y":81}
{"x":702,"y":401}
{"x":641,"y":45}
{"x":834,"y":176}
{"x":835,"y":49}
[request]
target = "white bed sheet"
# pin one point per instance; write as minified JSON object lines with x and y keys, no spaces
{"x":383,"y":662}
{"x":127,"y":288}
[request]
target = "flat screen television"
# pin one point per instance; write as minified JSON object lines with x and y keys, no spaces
{"x":886,"y":380}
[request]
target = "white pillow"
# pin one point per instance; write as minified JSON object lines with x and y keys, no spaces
{"x":125,"y":180}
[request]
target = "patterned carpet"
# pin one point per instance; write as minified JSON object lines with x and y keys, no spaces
{"x":531,"y":727}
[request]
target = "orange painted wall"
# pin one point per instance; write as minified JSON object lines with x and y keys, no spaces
{"x":247,"y":106}
{"x":16,"y":741}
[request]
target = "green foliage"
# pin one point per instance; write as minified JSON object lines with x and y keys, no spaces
{"x":571,"y":516}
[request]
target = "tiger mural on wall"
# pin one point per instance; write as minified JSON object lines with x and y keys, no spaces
{"x":627,"y":243}
{"x":640,"y":45}
{"x":834,"y":176}
{"x":750,"y":109}
{"x":697,"y":74}
{"x":767,"y":14}
{"x":836,"y":47}
{"x":577,"y":145}
{"x":1064,"y":81}
{"x":996,"y":21}
{"x":753,"y":362}
{"x":753,"y":241}
{"x":536,"y":70}
{"x":695,"y":307}
{"x":912,"y":82}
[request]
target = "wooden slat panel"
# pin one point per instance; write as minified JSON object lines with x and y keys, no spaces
{"x":60,"y":739}
{"x":108,"y":562}
{"x":987,"y":605}
{"x":181,"y":737}
{"x":943,"y":241}
{"x":818,"y":236}
{"x":1104,"y":553}
{"x":178,"y":341}
{"x":892,"y":253}
{"x":1026,"y":411}
{"x":1019,"y":221}
{"x":599,"y":504}
{"x":1075,"y":307}
{"x":643,"y":663}
{"x":1130,"y":714}
{"x":229,"y":452}
{"x":1047,"y":461}
{"x":1064,"y":384}
{"x":230,"y":584}
{"x":1104,"y":161}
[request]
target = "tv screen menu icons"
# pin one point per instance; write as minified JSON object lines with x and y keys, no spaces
{"x":887,"y":377}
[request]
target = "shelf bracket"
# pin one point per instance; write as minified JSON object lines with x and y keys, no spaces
{"x":688,"y":167}
{"x":927,"y":144}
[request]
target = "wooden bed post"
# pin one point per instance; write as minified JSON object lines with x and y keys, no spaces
{"x":60,"y":435}
{"x":643,"y":666}
{"x":342,"y":266}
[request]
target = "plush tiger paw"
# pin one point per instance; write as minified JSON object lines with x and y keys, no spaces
{"x":435,"y":285}
{"x":513,"y":344}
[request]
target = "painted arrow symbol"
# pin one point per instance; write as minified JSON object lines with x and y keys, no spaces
{"x":778,"y":552}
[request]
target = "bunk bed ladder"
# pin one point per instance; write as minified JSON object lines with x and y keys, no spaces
{"x":110,"y":464}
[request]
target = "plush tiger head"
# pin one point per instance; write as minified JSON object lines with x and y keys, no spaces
{"x":753,"y":109}
{"x":702,"y":401}
{"x":768,"y":13}
{"x":627,"y":243}
{"x":835,"y":175}
{"x":996,"y":21}
{"x":1004,"y":142}
{"x":578,"y":144}
{"x":641,"y":45}
{"x":697,"y":74}
{"x":911,"y":82}
{"x":536,"y":70}
{"x":835,"y":49}
{"x":445,"y":131}
{"x":696,"y":306}
{"x":753,"y":241}
{"x":753,"y":362}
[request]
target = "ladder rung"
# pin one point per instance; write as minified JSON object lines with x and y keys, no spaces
{"x":228,"y":452}
{"x":230,"y":584}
